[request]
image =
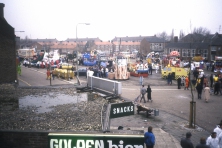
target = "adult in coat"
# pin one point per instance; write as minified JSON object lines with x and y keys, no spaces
{"x":186,"y":83}
{"x":211,"y":80}
{"x":169,"y":79}
{"x":202,"y":143}
{"x":148,"y":90}
{"x":216,"y":88}
{"x":199,"y":88}
{"x":207,"y":93}
{"x":205,"y":81}
{"x":179,"y":82}
{"x":149,"y":138}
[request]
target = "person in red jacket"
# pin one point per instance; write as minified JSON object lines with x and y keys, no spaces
{"x":48,"y":74}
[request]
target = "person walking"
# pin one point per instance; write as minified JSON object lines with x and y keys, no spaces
{"x":195,"y":73}
{"x":202,"y":143}
{"x":218,"y":129}
{"x":211,"y":80}
{"x":182,"y":81}
{"x":199,"y":88}
{"x":205,"y":81}
{"x":220,"y":140}
{"x":169,"y":78}
{"x":216,"y":88}
{"x":149,"y":138}
{"x":186,"y":142}
{"x":207,"y":93}
{"x":179,"y":83}
{"x":143,"y":92}
{"x":186,"y":83}
{"x":47,"y":74}
{"x":148,"y":90}
{"x":151,"y":69}
{"x":212,"y":140}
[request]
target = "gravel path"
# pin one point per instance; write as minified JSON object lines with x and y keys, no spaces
{"x":82,"y":116}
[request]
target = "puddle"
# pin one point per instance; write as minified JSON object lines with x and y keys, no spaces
{"x":42,"y":104}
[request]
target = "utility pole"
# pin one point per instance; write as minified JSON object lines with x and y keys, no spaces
{"x":192,"y":119}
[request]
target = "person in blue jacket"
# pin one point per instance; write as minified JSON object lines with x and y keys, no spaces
{"x":149,"y":138}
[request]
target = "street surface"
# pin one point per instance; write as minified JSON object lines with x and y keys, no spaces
{"x":173,"y":103}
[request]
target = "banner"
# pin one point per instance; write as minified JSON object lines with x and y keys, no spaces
{"x":59,"y":140}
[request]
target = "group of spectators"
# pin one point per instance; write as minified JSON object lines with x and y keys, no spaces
{"x":201,"y":83}
{"x":213,"y":141}
{"x":100,"y":71}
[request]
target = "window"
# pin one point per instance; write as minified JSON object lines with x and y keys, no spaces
{"x":205,"y":53}
{"x":192,"y":52}
{"x":213,"y":48}
{"x":184,"y":51}
{"x":170,"y":50}
{"x":188,"y":53}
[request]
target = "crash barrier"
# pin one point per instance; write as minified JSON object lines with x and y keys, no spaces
{"x":64,"y":73}
{"x":110,"y":86}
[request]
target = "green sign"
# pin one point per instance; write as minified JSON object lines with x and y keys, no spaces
{"x":121,"y":109}
{"x":95,"y":141}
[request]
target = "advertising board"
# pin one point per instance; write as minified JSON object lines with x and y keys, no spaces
{"x":121,"y":109}
{"x":59,"y":140}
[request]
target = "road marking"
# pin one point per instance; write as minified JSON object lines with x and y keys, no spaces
{"x":25,"y":82}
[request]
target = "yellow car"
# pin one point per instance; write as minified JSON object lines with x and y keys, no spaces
{"x":65,"y":66}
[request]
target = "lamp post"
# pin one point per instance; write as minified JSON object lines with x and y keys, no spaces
{"x":77,"y":51}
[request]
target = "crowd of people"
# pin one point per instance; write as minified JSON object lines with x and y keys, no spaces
{"x":201,"y":83}
{"x":213,"y":141}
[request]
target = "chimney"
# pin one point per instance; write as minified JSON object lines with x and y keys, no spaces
{"x":175,"y":39}
{"x":2,"y":10}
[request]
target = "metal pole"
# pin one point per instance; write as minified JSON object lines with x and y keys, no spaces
{"x":77,"y":51}
{"x":192,"y":119}
{"x":77,"y":57}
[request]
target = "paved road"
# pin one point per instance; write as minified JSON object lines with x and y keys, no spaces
{"x":173,"y":104}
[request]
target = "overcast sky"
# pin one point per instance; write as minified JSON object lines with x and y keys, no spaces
{"x":109,"y":18}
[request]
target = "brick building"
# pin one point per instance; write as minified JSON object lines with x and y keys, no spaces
{"x":8,"y":72}
{"x":152,"y":43}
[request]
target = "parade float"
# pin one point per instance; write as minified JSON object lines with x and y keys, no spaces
{"x":89,"y":59}
{"x":174,"y":66}
{"x":138,"y":69}
{"x":153,"y":58}
{"x":119,"y":69}
{"x":218,"y":65}
{"x":198,"y":61}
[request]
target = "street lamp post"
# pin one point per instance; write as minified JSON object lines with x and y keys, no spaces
{"x":77,"y":51}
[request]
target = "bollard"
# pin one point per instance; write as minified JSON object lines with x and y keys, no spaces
{"x":156,"y":112}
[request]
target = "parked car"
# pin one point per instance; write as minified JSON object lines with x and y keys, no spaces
{"x":82,"y":71}
{"x":26,"y":62}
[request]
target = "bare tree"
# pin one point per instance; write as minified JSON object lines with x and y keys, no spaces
{"x":172,"y":36}
{"x":182,"y":34}
{"x":201,"y":30}
{"x":162,"y":35}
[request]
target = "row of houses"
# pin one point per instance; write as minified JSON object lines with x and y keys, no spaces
{"x":192,"y":44}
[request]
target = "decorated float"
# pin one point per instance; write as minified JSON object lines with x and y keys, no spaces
{"x":89,"y":60}
{"x":119,"y":69}
{"x":218,"y":65}
{"x":173,"y":65}
{"x":138,"y":69}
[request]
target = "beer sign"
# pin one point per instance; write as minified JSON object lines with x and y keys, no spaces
{"x":59,"y":140}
